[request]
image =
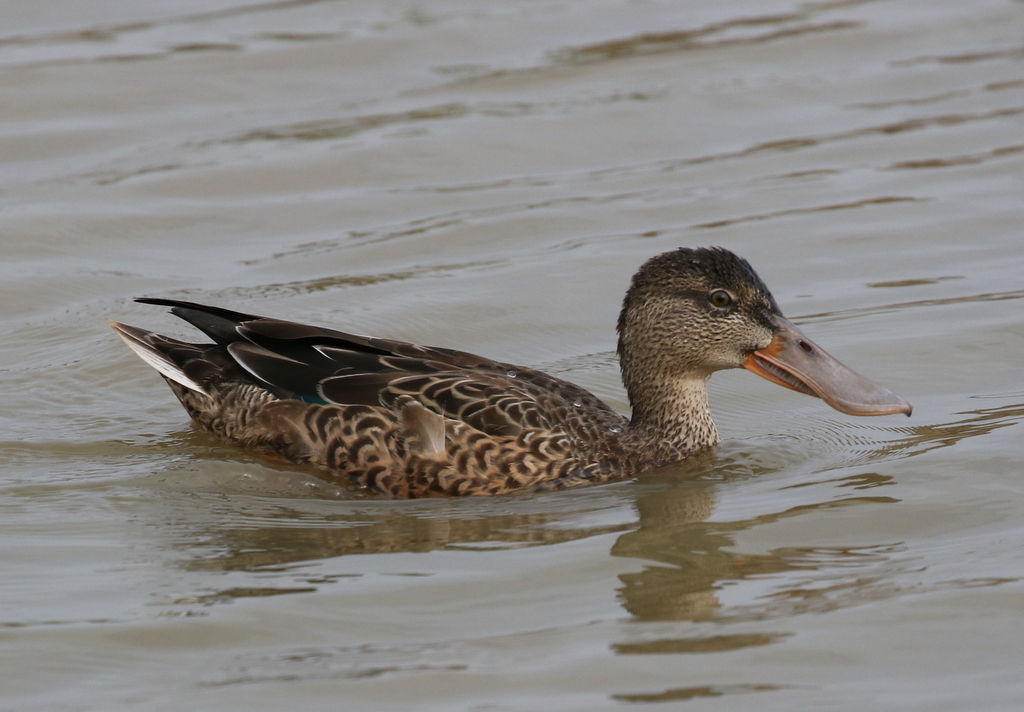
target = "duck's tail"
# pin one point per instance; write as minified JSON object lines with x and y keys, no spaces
{"x":168,"y":356}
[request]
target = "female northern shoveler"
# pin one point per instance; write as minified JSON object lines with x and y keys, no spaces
{"x":418,"y":421}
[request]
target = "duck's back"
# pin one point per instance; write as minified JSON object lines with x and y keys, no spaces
{"x":408,"y":420}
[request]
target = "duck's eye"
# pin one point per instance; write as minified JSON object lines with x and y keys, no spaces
{"x":720,"y":298}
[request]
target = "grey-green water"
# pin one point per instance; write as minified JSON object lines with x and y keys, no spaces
{"x":487,"y":176}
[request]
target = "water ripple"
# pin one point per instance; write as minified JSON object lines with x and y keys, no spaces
{"x":961,"y":160}
{"x":964,"y":57}
{"x":658,"y":43}
{"x":843,"y":314}
{"x":884,"y":200}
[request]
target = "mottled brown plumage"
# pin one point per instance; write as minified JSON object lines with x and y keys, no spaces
{"x":417,"y":421}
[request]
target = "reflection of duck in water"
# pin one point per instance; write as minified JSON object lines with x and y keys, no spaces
{"x":415,"y":421}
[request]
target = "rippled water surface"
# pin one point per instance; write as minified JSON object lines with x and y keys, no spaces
{"x":488,"y":176}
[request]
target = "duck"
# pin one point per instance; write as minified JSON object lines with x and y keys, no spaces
{"x":412,"y":421}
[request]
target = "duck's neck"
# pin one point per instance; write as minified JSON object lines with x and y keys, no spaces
{"x":671,"y":419}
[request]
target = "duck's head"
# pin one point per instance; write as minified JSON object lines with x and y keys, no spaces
{"x":691,"y":312}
